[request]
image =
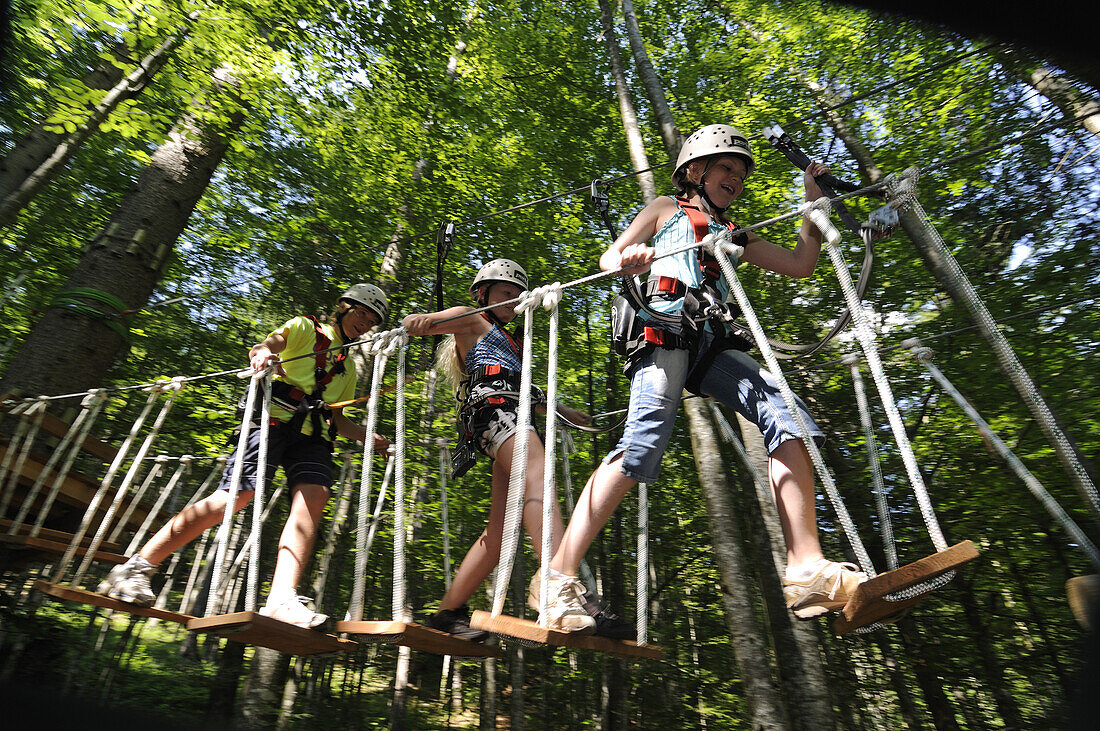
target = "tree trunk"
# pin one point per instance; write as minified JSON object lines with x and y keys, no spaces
{"x":939,"y":705}
{"x":634,"y":140}
{"x":1056,"y":87}
{"x":670,"y":133}
{"x":75,"y":342}
{"x":991,"y":664}
{"x":798,"y":653}
{"x":488,"y":707}
{"x":40,"y":155}
{"x":746,"y":633}
{"x":260,"y":696}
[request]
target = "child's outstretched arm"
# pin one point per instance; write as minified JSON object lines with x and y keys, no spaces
{"x":630,"y":249}
{"x":347,"y":428}
{"x":801,"y":260}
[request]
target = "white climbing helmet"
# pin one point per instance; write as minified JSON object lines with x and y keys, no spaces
{"x":499,"y":270}
{"x":714,"y":139}
{"x":371,"y":297}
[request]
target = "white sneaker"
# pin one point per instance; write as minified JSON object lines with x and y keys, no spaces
{"x":129,"y":582}
{"x":565,"y":604}
{"x":293,"y":609}
{"x":826,"y":590}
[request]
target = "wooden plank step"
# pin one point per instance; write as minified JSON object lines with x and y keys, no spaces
{"x":44,"y":544}
{"x":416,"y":636}
{"x":1083,"y":593}
{"x":81,"y":596}
{"x":528,"y":631}
{"x":868,"y":604}
{"x":252,"y":628}
{"x":55,"y":535}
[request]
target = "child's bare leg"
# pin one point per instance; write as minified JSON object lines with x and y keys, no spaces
{"x":189,"y":524}
{"x":791,"y":474}
{"x":602,"y":494}
{"x":307,"y":503}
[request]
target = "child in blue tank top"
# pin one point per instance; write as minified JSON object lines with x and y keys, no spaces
{"x":710,"y":174}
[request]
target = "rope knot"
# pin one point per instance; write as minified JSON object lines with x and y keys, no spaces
{"x":551,"y":296}
{"x":161,"y":458}
{"x":187,"y":459}
{"x":529,"y":300}
{"x":850,"y":360}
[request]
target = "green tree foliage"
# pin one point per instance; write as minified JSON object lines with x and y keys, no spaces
{"x":345,"y":100}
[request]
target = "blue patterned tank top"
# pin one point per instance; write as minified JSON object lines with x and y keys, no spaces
{"x":496,"y":346}
{"x":678,"y":232}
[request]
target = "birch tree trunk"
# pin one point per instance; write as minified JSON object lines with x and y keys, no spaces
{"x":40,"y":155}
{"x":670,"y":133}
{"x":1059,"y":89}
{"x":746,"y":632}
{"x":72,"y":347}
{"x":634,"y":140}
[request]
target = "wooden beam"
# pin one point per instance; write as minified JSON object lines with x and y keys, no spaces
{"x":417,"y":637}
{"x":44,"y":544}
{"x":527,"y":631}
{"x":253,"y":628}
{"x":868,"y":604}
{"x":55,"y":535}
{"x":58,"y":427}
{"x":69,"y":594}
{"x":76,"y":490}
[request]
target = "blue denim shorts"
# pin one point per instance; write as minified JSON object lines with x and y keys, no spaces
{"x":734,"y":378}
{"x":305,"y":459}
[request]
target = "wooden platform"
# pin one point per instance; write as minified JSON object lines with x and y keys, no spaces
{"x":868,"y":604}
{"x":1083,"y":593}
{"x":69,"y":594}
{"x":416,"y":636}
{"x":252,"y":628}
{"x":528,"y":631}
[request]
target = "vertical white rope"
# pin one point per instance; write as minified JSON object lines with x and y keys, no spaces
{"x":904,"y":188}
{"x":399,"y":341}
{"x":549,"y":494}
{"x":865,"y":334}
{"x":886,"y":525}
{"x":923,"y":356}
{"x":355,"y":609}
{"x":722,"y":251}
{"x":135,"y":498}
{"x":379,"y":503}
{"x":172,"y":388}
{"x":19,"y":410}
{"x":33,"y":418}
{"x":93,"y":406}
{"x":184,"y":464}
{"x":223,"y":535}
{"x":517,"y":479}
{"x":252,"y":583}
{"x":642,"y":579}
{"x":347,"y":476}
{"x":444,"y":462}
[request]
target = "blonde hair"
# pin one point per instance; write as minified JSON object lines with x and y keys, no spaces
{"x":448,"y":365}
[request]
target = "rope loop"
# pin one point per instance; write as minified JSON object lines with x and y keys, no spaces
{"x":529,"y":300}
{"x":95,"y":396}
{"x":850,"y":359}
{"x":187,"y":459}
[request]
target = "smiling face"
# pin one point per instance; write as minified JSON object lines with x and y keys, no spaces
{"x":502,"y":292}
{"x":723,"y":177}
{"x":358,"y":321}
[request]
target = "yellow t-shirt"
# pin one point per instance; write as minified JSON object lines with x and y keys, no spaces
{"x":301,"y":338}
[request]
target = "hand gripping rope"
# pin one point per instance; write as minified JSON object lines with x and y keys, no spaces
{"x":923,"y":355}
